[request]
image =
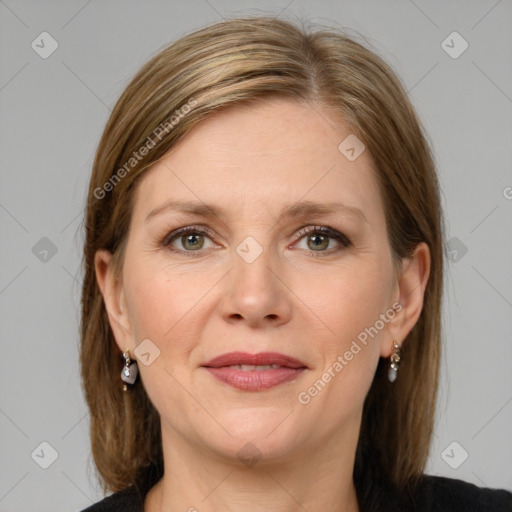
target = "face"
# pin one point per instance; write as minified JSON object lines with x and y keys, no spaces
{"x":261,"y":270}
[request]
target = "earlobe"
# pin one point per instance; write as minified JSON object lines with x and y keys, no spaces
{"x":113,"y":297}
{"x":412,"y":283}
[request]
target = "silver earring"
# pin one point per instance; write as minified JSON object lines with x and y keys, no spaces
{"x":130,"y":370}
{"x":395,"y":360}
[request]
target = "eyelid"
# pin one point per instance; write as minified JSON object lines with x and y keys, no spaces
{"x":182,"y":231}
{"x":323,"y":230}
{"x":306,"y":230}
{"x":340,"y":237}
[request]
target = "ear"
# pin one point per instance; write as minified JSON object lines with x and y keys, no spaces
{"x":111,"y":288}
{"x":410,"y":289}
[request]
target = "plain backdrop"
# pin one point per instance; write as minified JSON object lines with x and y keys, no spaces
{"x":53,"y":111}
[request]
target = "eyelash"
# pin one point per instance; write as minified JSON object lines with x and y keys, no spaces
{"x":309,"y":230}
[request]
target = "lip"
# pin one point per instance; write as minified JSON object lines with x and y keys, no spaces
{"x":262,"y":358}
{"x":288,"y":369}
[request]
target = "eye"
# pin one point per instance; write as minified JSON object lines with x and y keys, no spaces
{"x":318,"y":238}
{"x":191,"y":239}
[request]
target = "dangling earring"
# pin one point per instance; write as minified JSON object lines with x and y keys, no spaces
{"x":395,"y":360}
{"x":130,"y":371}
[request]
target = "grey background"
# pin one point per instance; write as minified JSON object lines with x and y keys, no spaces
{"x":53,"y":112}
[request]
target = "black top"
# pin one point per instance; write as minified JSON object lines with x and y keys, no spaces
{"x":433,"y":494}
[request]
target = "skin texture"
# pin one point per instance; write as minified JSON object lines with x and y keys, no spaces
{"x":307,"y":297}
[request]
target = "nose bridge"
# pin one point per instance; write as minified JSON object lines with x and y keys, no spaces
{"x":253,"y":267}
{"x":254,"y":290}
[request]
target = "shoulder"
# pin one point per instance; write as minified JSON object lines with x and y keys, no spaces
{"x":127,"y":500}
{"x":448,"y":494}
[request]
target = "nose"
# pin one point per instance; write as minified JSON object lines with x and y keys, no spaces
{"x":255,"y":293}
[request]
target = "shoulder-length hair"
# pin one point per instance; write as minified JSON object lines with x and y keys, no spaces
{"x":224,"y":65}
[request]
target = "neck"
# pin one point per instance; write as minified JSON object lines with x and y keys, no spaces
{"x":317,"y":478}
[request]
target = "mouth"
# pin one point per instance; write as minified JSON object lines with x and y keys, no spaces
{"x":255,"y":372}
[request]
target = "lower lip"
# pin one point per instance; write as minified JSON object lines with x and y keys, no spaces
{"x":255,"y":380}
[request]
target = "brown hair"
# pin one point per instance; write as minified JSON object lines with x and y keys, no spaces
{"x":243,"y":60}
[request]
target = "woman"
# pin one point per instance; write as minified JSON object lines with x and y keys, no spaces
{"x":264,"y":266}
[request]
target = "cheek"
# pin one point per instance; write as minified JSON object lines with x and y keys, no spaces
{"x":350,"y":305}
{"x":350,"y":301}
{"x":158,"y":297}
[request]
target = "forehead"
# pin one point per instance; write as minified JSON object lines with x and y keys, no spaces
{"x":260,"y":156}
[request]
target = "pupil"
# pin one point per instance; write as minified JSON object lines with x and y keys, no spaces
{"x":192,"y":240}
{"x":320,"y":239}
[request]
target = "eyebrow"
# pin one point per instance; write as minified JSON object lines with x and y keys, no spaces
{"x":301,"y":209}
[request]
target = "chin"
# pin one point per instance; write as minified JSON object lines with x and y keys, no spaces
{"x":268,"y":432}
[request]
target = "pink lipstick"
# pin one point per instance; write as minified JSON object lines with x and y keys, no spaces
{"x":255,"y":372}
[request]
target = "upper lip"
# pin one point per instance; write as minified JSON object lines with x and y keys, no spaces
{"x":262,"y":358}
